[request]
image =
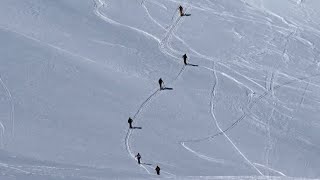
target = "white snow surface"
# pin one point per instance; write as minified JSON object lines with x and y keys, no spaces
{"x":73,"y":71}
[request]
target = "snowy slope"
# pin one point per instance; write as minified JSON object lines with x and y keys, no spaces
{"x":72,"y":72}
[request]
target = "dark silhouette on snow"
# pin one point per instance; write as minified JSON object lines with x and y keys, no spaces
{"x":158,"y":170}
{"x":160,"y":83}
{"x":130,"y":123}
{"x":185,"y":59}
{"x":138,"y":156}
{"x":181,"y":10}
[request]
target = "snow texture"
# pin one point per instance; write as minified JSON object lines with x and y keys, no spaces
{"x":245,"y":107}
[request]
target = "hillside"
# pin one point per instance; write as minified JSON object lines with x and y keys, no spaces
{"x":245,"y":107}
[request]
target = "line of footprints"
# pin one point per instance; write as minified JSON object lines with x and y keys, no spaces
{"x":161,"y":84}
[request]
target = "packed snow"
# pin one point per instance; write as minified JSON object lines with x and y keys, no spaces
{"x":246,"y":106}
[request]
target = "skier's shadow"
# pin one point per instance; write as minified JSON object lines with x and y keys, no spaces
{"x":167,"y":88}
{"x":147,"y":164}
{"x":136,"y":128}
{"x":195,"y":65}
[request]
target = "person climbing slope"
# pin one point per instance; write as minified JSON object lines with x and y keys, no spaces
{"x":185,"y":59}
{"x":130,"y":122}
{"x":181,"y":10}
{"x":138,"y":156}
{"x":158,"y":170}
{"x":160,"y":83}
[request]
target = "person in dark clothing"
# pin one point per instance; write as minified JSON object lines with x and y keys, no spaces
{"x":130,"y":123}
{"x":138,"y":156}
{"x":185,"y":59}
{"x":158,"y":170}
{"x":181,"y":10}
{"x":160,"y":83}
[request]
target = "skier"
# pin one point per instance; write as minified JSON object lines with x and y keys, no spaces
{"x":138,"y":156}
{"x":181,"y":10}
{"x":158,"y":170}
{"x":185,"y":59}
{"x":130,"y":122}
{"x":160,"y":83}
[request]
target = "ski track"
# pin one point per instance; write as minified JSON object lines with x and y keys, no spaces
{"x":129,"y":132}
{"x":223,"y":132}
{"x":138,"y":112}
{"x":100,"y":4}
{"x":219,"y":161}
{"x":303,"y":95}
{"x":229,"y":15}
{"x":14,"y":168}
{"x":164,"y":41}
{"x":115,"y":45}
{"x":151,"y":18}
{"x":218,"y":126}
{"x":2,"y":135}
{"x":156,"y":3}
{"x":266,"y":12}
{"x":272,"y":80}
{"x":128,"y":148}
{"x":292,"y":30}
{"x":270,"y":169}
{"x":145,"y":102}
{"x":12,"y":119}
{"x":302,"y":79}
{"x":268,"y":146}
